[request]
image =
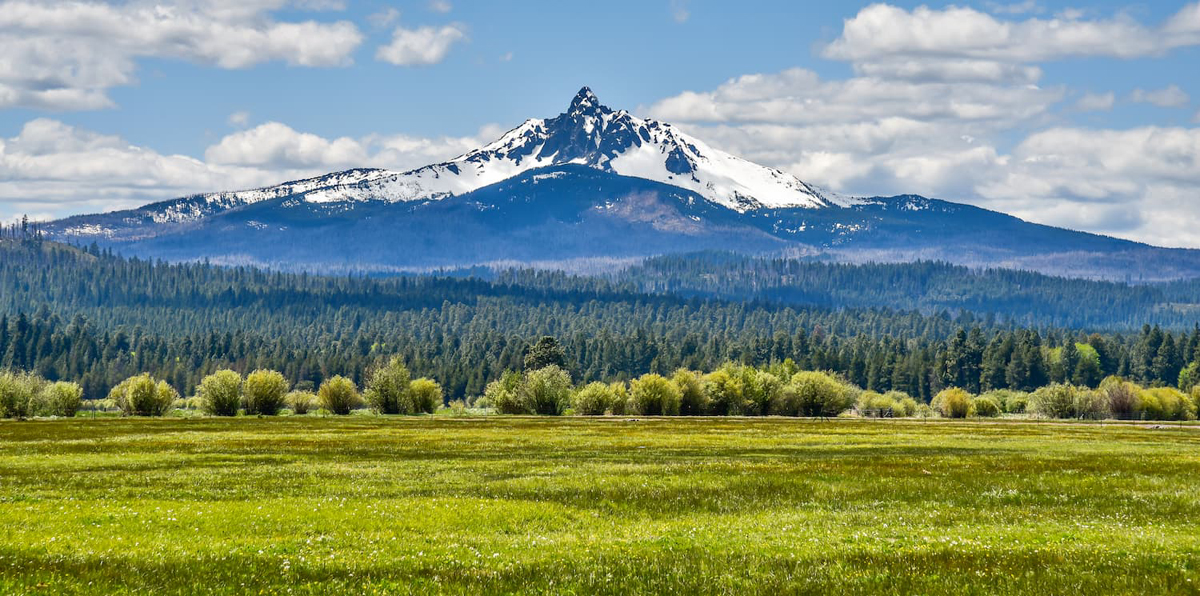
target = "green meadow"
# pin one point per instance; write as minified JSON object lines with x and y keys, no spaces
{"x":483,"y":505}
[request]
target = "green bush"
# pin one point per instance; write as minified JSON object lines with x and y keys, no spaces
{"x":620,"y":398}
{"x":503,"y":394}
{"x":874,"y":405}
{"x":723,"y":392}
{"x":952,"y":403}
{"x":593,"y":399}
{"x":546,"y":391}
{"x":693,"y":401}
{"x":1054,"y":401}
{"x":760,"y":390}
{"x":17,"y":394}
{"x":389,"y":389}
{"x":339,"y":395}
{"x":1165,"y":403}
{"x":265,"y":391}
{"x":61,"y":399}
{"x":426,"y":396}
{"x":654,"y":395}
{"x":1090,"y":404}
{"x":301,"y":402}
{"x":220,"y":393}
{"x":985,"y":407}
{"x":818,"y":394}
{"x":143,"y":396}
{"x":1122,"y":397}
{"x":925,"y":411}
{"x":905,"y":405}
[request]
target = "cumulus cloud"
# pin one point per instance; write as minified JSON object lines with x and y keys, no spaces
{"x":51,"y":168}
{"x":949,"y":103}
{"x":441,"y":6}
{"x":66,"y":54}
{"x":1096,"y":102}
{"x":882,"y":32}
{"x":420,"y":47}
{"x":1169,"y":97}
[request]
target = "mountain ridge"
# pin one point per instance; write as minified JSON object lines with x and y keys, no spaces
{"x":593,"y":183}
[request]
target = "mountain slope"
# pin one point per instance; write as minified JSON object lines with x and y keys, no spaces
{"x":593,"y":183}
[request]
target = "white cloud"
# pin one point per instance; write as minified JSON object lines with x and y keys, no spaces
{"x":239,"y":119}
{"x":1096,"y":102}
{"x":51,"y":168}
{"x":679,"y":10}
{"x":384,"y":18}
{"x":1026,"y":7}
{"x":420,"y":47}
{"x":1169,"y":97}
{"x":884,"y":33}
{"x":61,"y":54}
{"x":441,"y":6}
{"x":506,"y":57}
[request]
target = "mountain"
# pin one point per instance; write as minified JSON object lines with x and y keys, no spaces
{"x":593,"y":184}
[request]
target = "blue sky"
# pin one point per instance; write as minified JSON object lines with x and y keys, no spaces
{"x":1080,"y":115}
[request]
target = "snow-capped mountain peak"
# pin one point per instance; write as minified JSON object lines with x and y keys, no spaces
{"x":587,"y":133}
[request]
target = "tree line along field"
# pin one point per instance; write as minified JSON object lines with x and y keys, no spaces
{"x":546,"y":388}
{"x":484,"y":505}
{"x":93,"y":318}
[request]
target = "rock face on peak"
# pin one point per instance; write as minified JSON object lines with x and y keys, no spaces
{"x":592,"y":182}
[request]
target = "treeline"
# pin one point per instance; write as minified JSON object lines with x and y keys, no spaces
{"x":1021,"y":297}
{"x":96,"y":319}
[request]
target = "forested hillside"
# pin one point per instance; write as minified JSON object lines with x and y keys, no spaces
{"x":89,"y":316}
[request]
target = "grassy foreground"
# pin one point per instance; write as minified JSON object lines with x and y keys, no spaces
{"x":367,"y":505}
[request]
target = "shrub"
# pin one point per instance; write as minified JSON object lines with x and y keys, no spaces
{"x":693,"y":401}
{"x":654,"y":395}
{"x":301,"y":402}
{"x":546,"y":391}
{"x":760,"y":390}
{"x":220,"y":393}
{"x":1054,"y":401}
{"x":265,"y":392}
{"x":1122,"y":397}
{"x":17,"y":393}
{"x":819,"y":394}
{"x":62,"y":399}
{"x":339,"y":395}
{"x":1089,"y":404}
{"x":874,"y":405}
{"x":985,"y":407}
{"x":593,"y":399}
{"x":143,"y":396}
{"x":952,"y":403}
{"x":503,"y":394}
{"x":1011,"y":402}
{"x":924,"y":411}
{"x":620,"y":398}
{"x":905,"y":405}
{"x":1165,"y":403}
{"x":426,"y":396}
{"x":723,"y":392}
{"x":389,"y":389}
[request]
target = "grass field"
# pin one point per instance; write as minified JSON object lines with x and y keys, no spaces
{"x":367,"y":505}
